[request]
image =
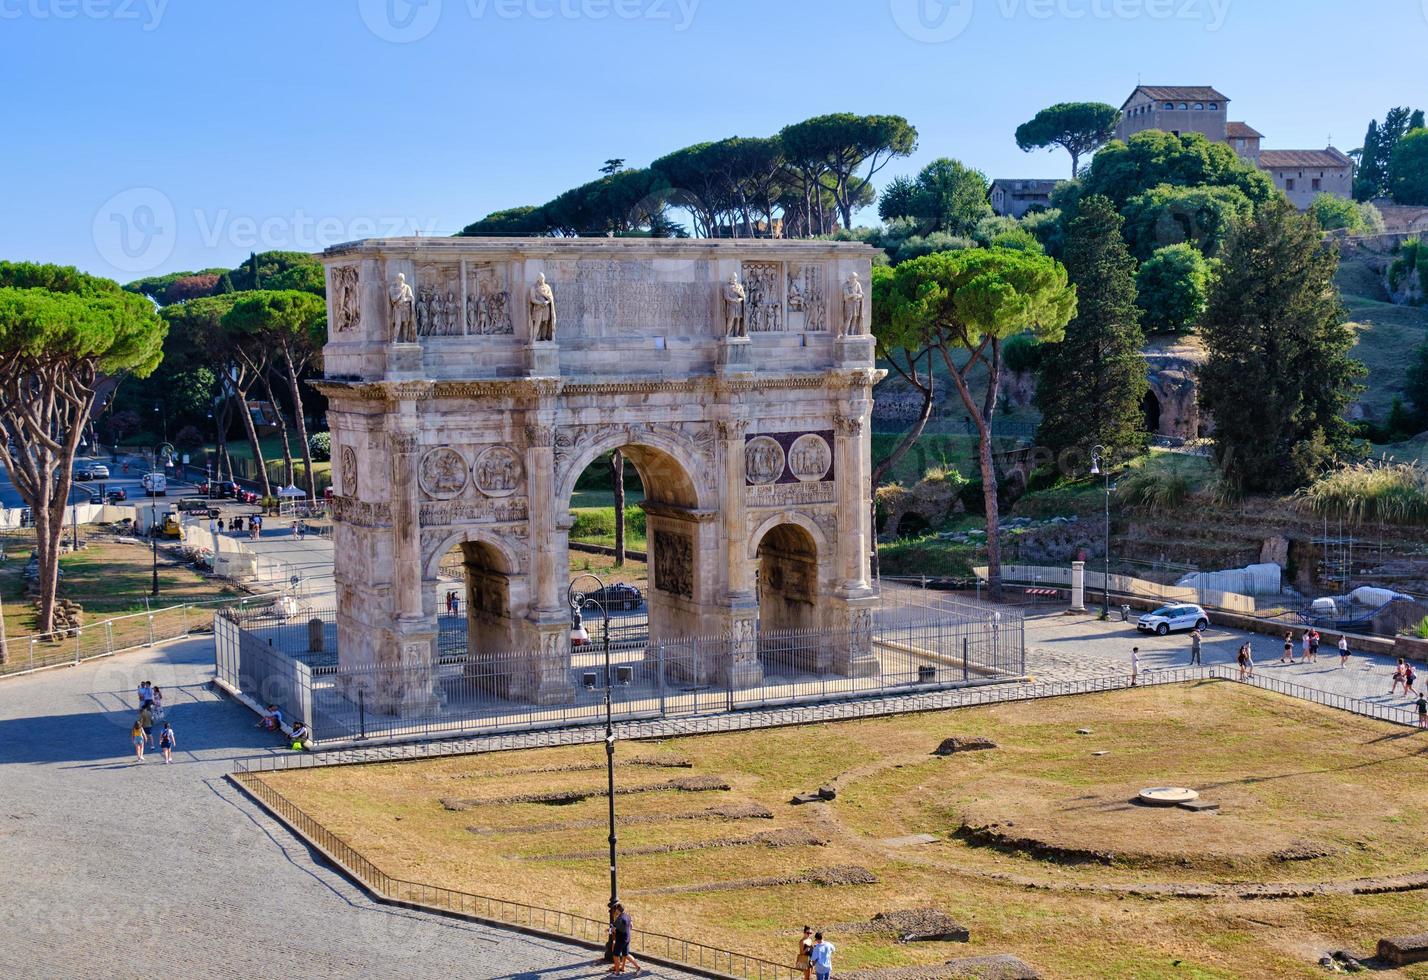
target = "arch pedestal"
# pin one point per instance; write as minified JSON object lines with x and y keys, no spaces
{"x":755,"y":468}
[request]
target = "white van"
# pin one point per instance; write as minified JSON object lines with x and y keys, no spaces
{"x":155,"y":484}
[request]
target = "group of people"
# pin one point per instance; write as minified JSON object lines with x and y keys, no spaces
{"x":151,"y":710}
{"x":272,"y":721}
{"x":1310,"y":641}
{"x":253,"y":525}
{"x":815,"y":955}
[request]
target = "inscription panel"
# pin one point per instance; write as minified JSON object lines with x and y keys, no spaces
{"x":605,"y":297}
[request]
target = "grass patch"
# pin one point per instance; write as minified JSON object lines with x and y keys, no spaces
{"x":928,"y":555}
{"x":1042,"y":783}
{"x":596,"y":525}
{"x":1393,"y":493}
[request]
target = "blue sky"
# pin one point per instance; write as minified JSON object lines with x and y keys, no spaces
{"x":145,"y":136}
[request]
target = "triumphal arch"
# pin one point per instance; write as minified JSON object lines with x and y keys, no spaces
{"x":471,"y":381}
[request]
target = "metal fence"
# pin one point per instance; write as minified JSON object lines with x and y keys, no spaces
{"x":653,"y":946}
{"x":103,"y":638}
{"x":288,"y":657}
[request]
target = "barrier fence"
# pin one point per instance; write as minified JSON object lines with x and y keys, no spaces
{"x":61,"y":648}
{"x":282,"y":653}
{"x":1052,"y":575}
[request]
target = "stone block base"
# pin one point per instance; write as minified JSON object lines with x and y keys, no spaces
{"x":735,"y":354}
{"x":853,"y":352}
{"x":543,"y":359}
{"x":404,"y":362}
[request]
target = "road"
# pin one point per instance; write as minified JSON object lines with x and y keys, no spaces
{"x":118,"y":479}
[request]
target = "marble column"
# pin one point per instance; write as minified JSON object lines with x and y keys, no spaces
{"x":744,"y":669}
{"x":406,"y":524}
{"x":853,"y":491}
{"x":546,"y":681}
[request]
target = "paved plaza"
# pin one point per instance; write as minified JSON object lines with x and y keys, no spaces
{"x":108,"y":868}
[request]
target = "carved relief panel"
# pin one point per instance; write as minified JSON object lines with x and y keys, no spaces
{"x":807,"y":310}
{"x":346,"y":302}
{"x":442,"y":473}
{"x":488,"y":301}
{"x":438,"y":300}
{"x":763,"y":306}
{"x":673,"y":563}
{"x":498,"y":472}
{"x":788,"y":457}
{"x":347,"y":472}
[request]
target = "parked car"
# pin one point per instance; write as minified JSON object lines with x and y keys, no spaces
{"x":95,"y":497}
{"x":219,"y":488}
{"x":114,"y":496}
{"x":82,"y":473}
{"x":1168,"y":618}
{"x":99,"y":472}
{"x":617,"y":596}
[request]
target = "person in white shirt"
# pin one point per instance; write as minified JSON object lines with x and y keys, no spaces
{"x":1343,"y":651}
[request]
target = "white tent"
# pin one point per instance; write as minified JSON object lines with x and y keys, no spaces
{"x":291,"y":491}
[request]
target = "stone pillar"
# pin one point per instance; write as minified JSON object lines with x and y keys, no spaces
{"x":745,"y":669}
{"x":408,"y":688}
{"x":853,"y":506}
{"x":1078,"y":586}
{"x":547,"y":680}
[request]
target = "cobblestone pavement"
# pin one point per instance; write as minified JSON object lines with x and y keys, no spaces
{"x":109,"y":868}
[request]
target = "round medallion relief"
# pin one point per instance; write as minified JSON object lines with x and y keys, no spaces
{"x":443,"y":473}
{"x":763,"y":460}
{"x":810,"y":457}
{"x":498,"y":472}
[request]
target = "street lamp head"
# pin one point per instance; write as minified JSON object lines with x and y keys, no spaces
{"x":1095,"y":466}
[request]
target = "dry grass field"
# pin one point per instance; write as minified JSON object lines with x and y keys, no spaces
{"x":1035,"y":847}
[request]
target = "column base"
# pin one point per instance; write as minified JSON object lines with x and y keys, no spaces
{"x":735,"y":355}
{"x":853,"y":352}
{"x":404,"y":362}
{"x":543,"y":359}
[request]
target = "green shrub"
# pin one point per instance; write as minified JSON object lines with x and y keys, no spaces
{"x":1021,"y":353}
{"x":1420,"y":630}
{"x":1394,"y":493}
{"x":1154,"y":489}
{"x":599,"y":523}
{"x":319,"y":444}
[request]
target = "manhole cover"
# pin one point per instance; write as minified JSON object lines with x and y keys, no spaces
{"x":1167,"y":795}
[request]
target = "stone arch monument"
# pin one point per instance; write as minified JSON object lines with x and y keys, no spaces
{"x":471,"y":381}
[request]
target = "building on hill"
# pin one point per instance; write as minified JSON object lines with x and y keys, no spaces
{"x":1015,"y":197}
{"x":1180,"y":109}
{"x":1305,"y":174}
{"x":1175,"y":109}
{"x":1243,"y":139}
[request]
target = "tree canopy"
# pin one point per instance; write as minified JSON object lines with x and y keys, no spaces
{"x":1152,"y":157}
{"x":1373,"y":177}
{"x":1172,"y":288}
{"x":961,"y":306}
{"x":840,"y":143}
{"x":1077,"y":127}
{"x":1408,"y":169}
{"x":945,"y":196}
{"x":1279,"y":375}
{"x":1090,"y":391}
{"x":59,"y":330}
{"x":1167,"y":215}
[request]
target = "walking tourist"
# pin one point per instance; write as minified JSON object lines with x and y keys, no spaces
{"x":1400,"y":676}
{"x":1288,"y":655}
{"x":136,"y":735}
{"x":157,"y":703}
{"x":1423,"y":711}
{"x":1410,"y":676}
{"x":822,"y":956}
{"x":1195,"y":648}
{"x":146,"y":695}
{"x":1305,"y":642}
{"x":622,"y":929}
{"x":1313,"y":655}
{"x":1343,"y":651}
{"x":450,"y":603}
{"x":805,"y":950}
{"x":1135,"y":664}
{"x":146,"y":721}
{"x":167,"y":742}
{"x":213,"y":526}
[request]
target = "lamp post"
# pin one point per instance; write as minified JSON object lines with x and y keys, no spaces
{"x":154,"y":539}
{"x":579,"y":601}
{"x":1097,"y":459}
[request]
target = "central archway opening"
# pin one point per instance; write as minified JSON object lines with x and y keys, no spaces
{"x":654,"y":593}
{"x":787,"y":586}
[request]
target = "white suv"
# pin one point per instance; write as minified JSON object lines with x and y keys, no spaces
{"x":1168,"y":618}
